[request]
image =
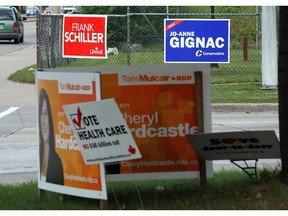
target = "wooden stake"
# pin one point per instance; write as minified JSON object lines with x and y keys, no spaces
{"x":200,"y":120}
{"x":41,"y":193}
{"x":103,"y":204}
{"x":199,"y":101}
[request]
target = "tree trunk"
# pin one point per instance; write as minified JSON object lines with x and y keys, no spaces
{"x":283,"y":88}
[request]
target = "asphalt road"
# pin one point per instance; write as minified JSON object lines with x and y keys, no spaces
{"x":241,"y":121}
{"x":18,"y":145}
{"x":18,"y":121}
{"x":29,"y":40}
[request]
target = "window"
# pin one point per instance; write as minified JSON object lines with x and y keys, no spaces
{"x":6,"y":15}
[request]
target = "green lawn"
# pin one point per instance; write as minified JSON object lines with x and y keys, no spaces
{"x":236,"y":82}
{"x":227,"y":190}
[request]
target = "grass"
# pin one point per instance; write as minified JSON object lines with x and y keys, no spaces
{"x":242,"y":93}
{"x":25,"y":75}
{"x":236,"y":82}
{"x":227,"y":190}
{"x":238,"y":70}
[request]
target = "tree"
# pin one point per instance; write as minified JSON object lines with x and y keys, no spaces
{"x":143,"y":25}
{"x":283,"y":88}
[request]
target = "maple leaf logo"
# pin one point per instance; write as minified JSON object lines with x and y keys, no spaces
{"x":85,"y":146}
{"x":131,"y":149}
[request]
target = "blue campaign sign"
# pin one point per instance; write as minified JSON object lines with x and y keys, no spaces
{"x":196,"y":40}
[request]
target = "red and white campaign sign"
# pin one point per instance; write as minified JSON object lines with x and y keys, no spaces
{"x":84,"y":36}
{"x":101,"y":132}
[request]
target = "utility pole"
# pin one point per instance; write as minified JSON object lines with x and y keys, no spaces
{"x":269,"y":48}
{"x":283,"y":88}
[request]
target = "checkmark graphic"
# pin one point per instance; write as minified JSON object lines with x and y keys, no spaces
{"x":79,"y":117}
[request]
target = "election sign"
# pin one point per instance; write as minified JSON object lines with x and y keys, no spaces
{"x":101,"y":132}
{"x":84,"y":36}
{"x":238,"y":145}
{"x":61,"y":166}
{"x":196,"y":40}
{"x":160,"y":106}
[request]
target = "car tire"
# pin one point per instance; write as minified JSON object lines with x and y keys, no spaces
{"x":22,"y":38}
{"x":16,"y":40}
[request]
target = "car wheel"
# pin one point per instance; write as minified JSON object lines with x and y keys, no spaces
{"x":22,"y":38}
{"x":16,"y":40}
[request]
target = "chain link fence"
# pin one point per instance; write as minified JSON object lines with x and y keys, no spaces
{"x":135,"y":37}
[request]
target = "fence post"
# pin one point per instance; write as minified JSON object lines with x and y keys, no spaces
{"x":128,"y":37}
{"x":39,"y":64}
{"x":245,"y":49}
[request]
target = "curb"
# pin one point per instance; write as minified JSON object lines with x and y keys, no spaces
{"x":18,"y":178}
{"x":247,"y":107}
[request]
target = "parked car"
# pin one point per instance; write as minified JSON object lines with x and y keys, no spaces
{"x":74,"y":12}
{"x":66,"y":9}
{"x":11,"y":25}
{"x":48,"y":10}
{"x":32,"y":11}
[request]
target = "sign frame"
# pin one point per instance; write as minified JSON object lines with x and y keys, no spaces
{"x":109,"y":75}
{"x":185,"y":35}
{"x":101,"y":132}
{"x":236,"y":145}
{"x":90,"y":44}
{"x":61,"y":88}
{"x":154,"y":73}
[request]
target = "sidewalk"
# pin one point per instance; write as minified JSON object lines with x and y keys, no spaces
{"x":17,"y":178}
{"x":17,"y":94}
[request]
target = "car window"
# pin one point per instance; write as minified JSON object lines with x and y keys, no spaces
{"x":6,"y":15}
{"x":17,"y":15}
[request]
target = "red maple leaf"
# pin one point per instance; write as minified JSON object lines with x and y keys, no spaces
{"x":131,"y":149}
{"x":85,"y":146}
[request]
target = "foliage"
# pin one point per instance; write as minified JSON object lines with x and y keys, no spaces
{"x":145,"y":26}
{"x":236,"y":9}
{"x":116,"y":26}
{"x":195,"y":9}
{"x":142,"y":24}
{"x":103,"y":9}
{"x":243,"y":27}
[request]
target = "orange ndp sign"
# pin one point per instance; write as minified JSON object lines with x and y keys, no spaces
{"x":61,"y":166}
{"x":160,"y":108}
{"x":84,"y":36}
